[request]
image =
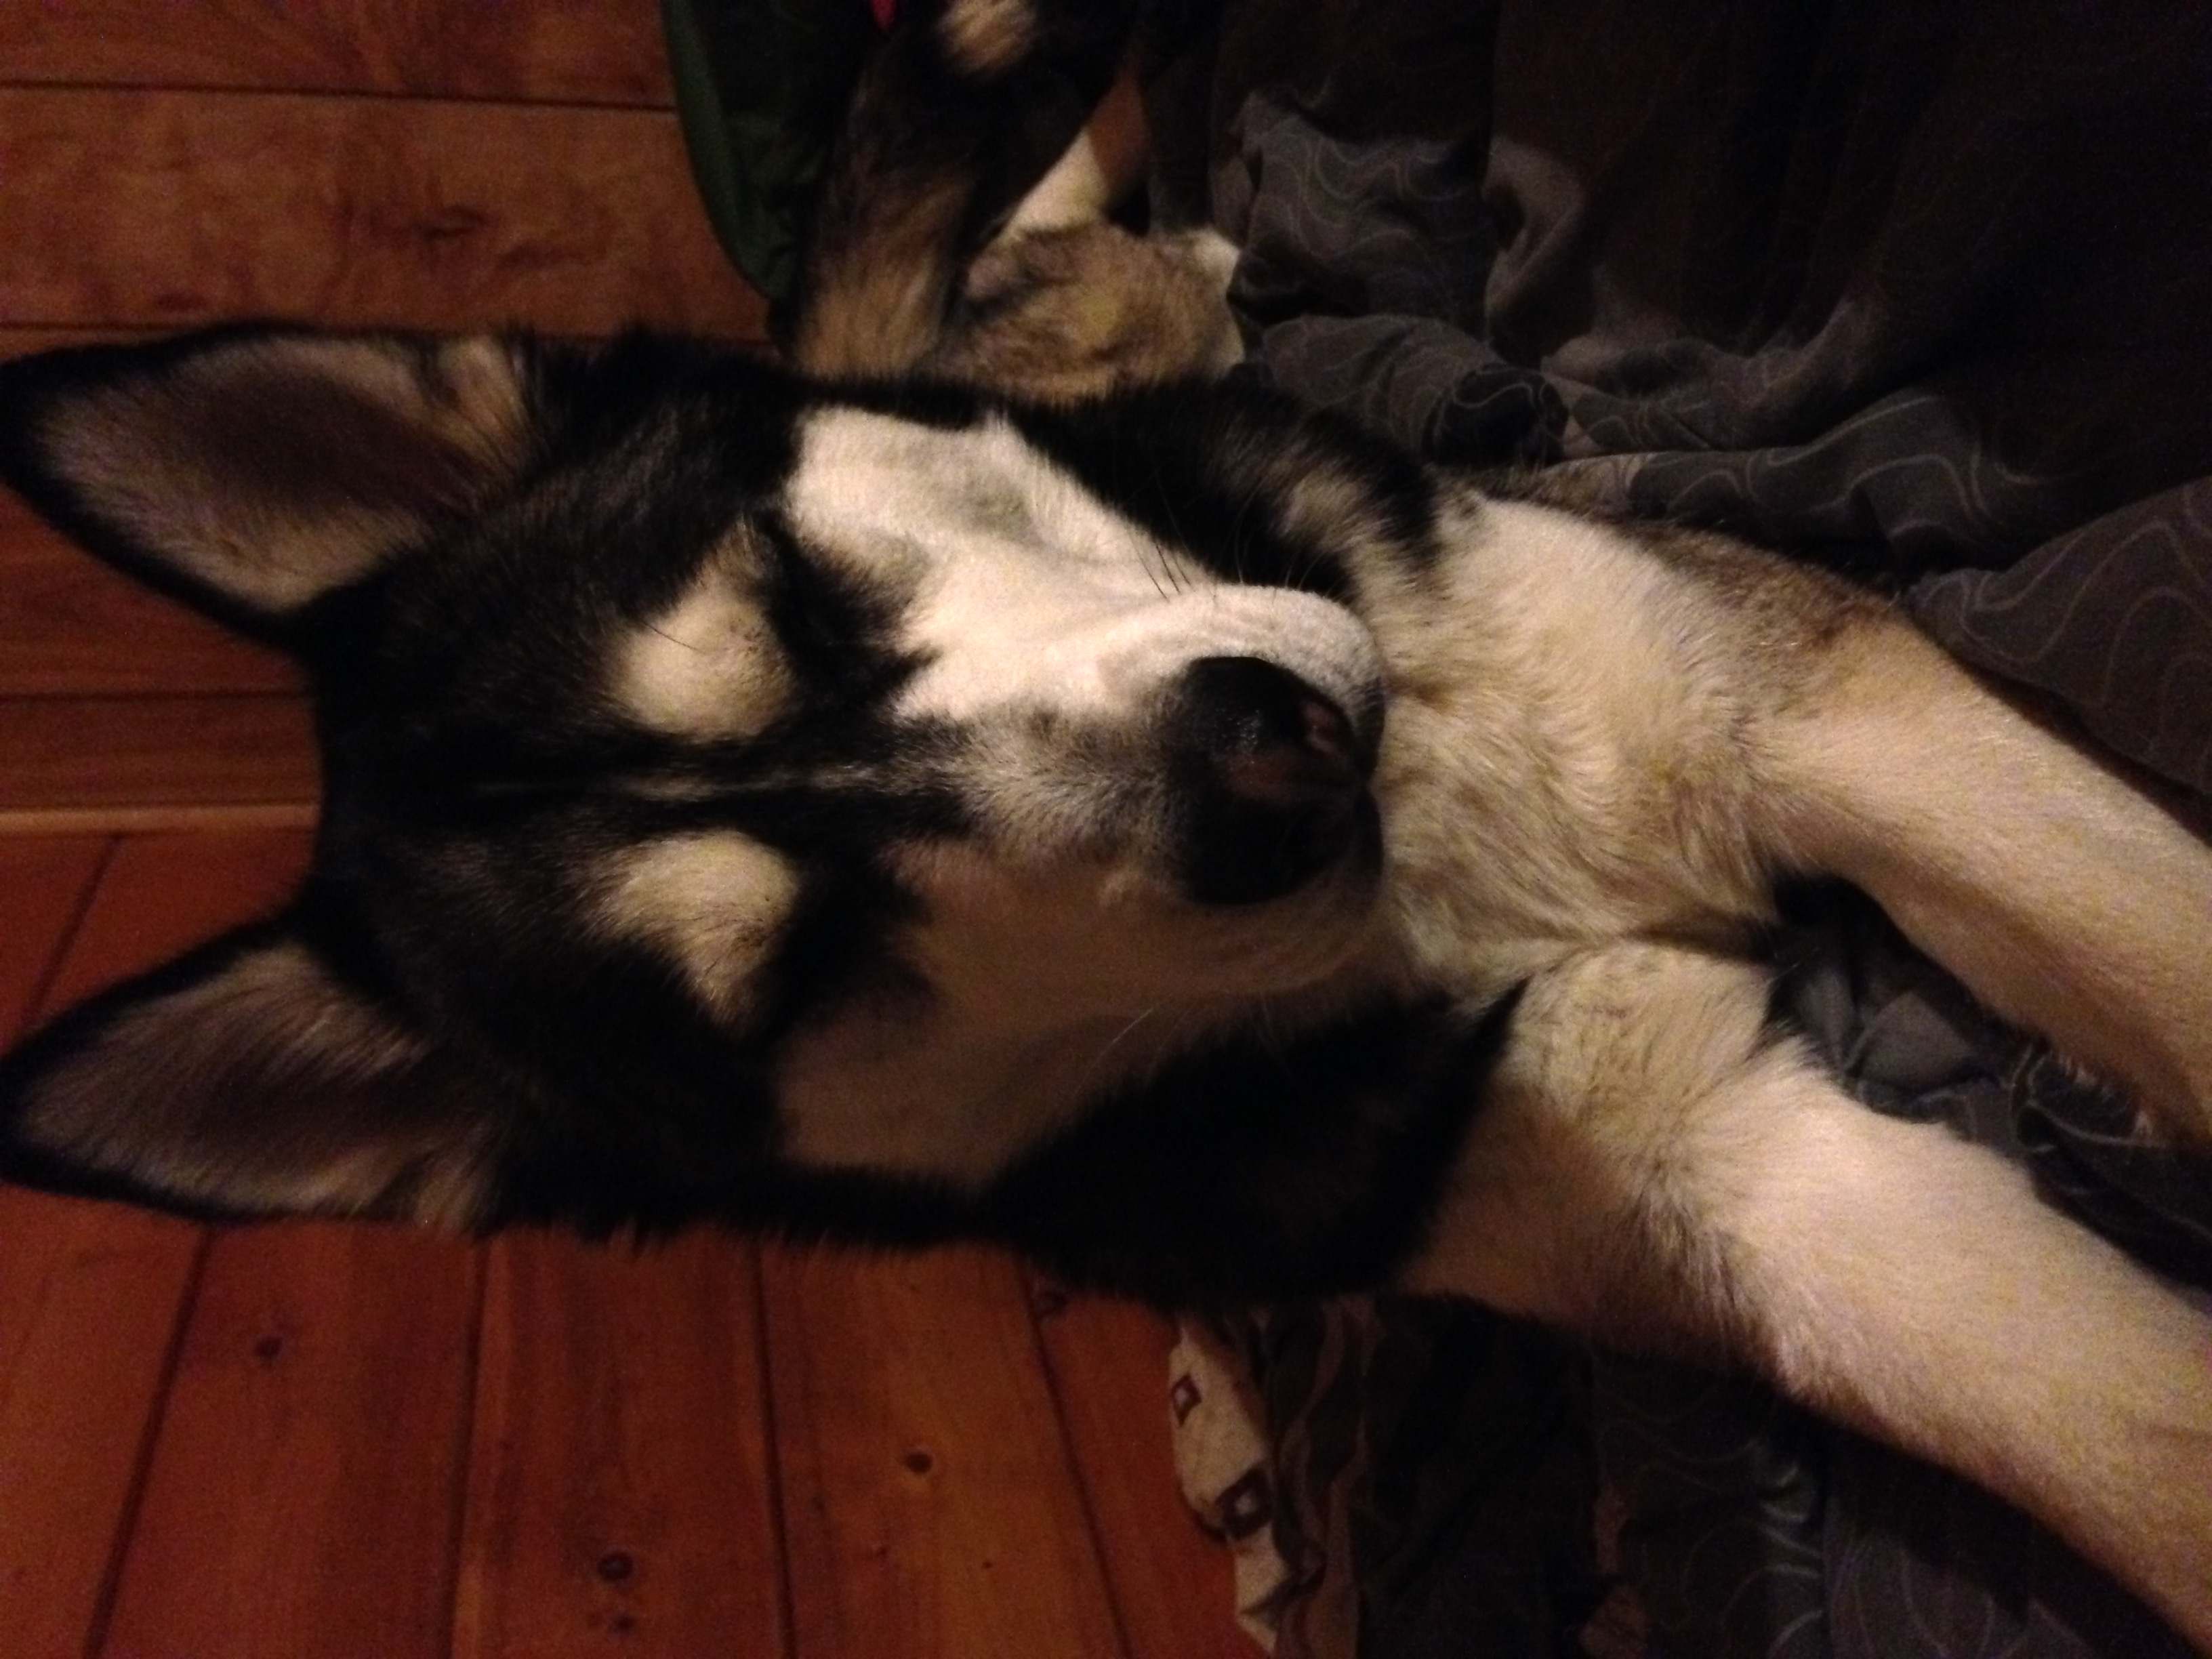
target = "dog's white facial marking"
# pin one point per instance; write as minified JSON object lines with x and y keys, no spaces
{"x":708,"y":667}
{"x":713,"y":900}
{"x":1031,"y":591}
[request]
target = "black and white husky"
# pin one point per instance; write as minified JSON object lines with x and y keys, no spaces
{"x":1183,"y":839}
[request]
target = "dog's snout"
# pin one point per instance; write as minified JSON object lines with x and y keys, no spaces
{"x":1274,"y":777}
{"x":1271,"y":738}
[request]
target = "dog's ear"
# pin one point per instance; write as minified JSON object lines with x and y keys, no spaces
{"x":253,"y":470}
{"x":250,"y":1078}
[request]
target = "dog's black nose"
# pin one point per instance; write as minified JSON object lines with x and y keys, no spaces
{"x":1271,"y":777}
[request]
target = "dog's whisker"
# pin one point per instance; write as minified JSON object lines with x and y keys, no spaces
{"x":1105,"y":1052}
{"x":992,"y":724}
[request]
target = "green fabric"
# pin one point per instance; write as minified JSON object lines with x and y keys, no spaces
{"x":761,"y":88}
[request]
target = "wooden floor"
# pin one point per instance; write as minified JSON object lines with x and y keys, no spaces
{"x":334,"y":1440}
{"x":322,"y":1441}
{"x":427,"y":165}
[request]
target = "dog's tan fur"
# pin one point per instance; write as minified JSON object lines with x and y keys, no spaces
{"x":1599,"y":749}
{"x":1604,"y":744}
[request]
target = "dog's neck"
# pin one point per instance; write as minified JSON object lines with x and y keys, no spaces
{"x":1534,"y":766}
{"x":1028,"y":1000}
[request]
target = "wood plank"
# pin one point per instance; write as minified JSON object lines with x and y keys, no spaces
{"x":90,"y":1293}
{"x":15,"y":342}
{"x":44,"y":886}
{"x":622,"y":1499}
{"x":304,"y":1492}
{"x":185,"y":207}
{"x":90,"y":1300}
{"x":1173,"y":1584}
{"x":120,"y":752}
{"x":162,"y":893}
{"x":588,"y":51}
{"x":39,"y":822}
{"x":930,"y":1509}
{"x":71,"y":626}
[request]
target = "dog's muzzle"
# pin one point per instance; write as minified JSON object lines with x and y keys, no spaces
{"x":1271,"y":779}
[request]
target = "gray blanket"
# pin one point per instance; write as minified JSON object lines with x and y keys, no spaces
{"x":1920,"y":290}
{"x":1917,"y":290}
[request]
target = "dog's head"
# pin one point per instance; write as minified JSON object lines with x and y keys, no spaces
{"x":722,"y":775}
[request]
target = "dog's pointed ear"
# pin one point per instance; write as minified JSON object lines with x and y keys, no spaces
{"x":250,"y":1078}
{"x":254,"y":469}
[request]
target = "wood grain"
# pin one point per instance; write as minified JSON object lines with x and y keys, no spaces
{"x":590,"y":51}
{"x":119,"y":752}
{"x":15,"y":341}
{"x":1173,"y":1584}
{"x":932,"y":1512}
{"x":302,"y":1492}
{"x":162,"y":893}
{"x":338,"y":1467}
{"x":90,"y":1297}
{"x":71,"y":626}
{"x":44,"y":883}
{"x":303,"y":1495}
{"x":621,"y":1499}
{"x":90,"y":1293}
{"x":183,"y":207}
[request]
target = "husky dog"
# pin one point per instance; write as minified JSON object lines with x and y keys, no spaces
{"x":1176,"y":836}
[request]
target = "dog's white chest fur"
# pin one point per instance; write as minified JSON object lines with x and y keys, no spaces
{"x":1552,"y":733}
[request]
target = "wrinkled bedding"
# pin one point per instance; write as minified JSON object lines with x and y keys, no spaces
{"x":1920,"y":290}
{"x":1440,"y":1482}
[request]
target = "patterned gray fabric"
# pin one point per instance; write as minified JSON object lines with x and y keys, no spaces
{"x":1919,"y":290}
{"x":2115,"y":618}
{"x":1473,"y":1485}
{"x":1362,"y":279}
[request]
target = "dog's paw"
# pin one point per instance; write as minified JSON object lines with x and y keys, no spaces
{"x":1069,"y":314}
{"x":987,"y":38}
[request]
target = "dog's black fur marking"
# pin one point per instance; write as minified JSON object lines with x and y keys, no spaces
{"x":1256,"y":1171}
{"x":1252,"y":1171}
{"x":472,"y":768}
{"x":1201,"y":466}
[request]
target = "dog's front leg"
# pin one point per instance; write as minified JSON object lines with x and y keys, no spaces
{"x":2064,"y":895}
{"x":1654,"y":1168}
